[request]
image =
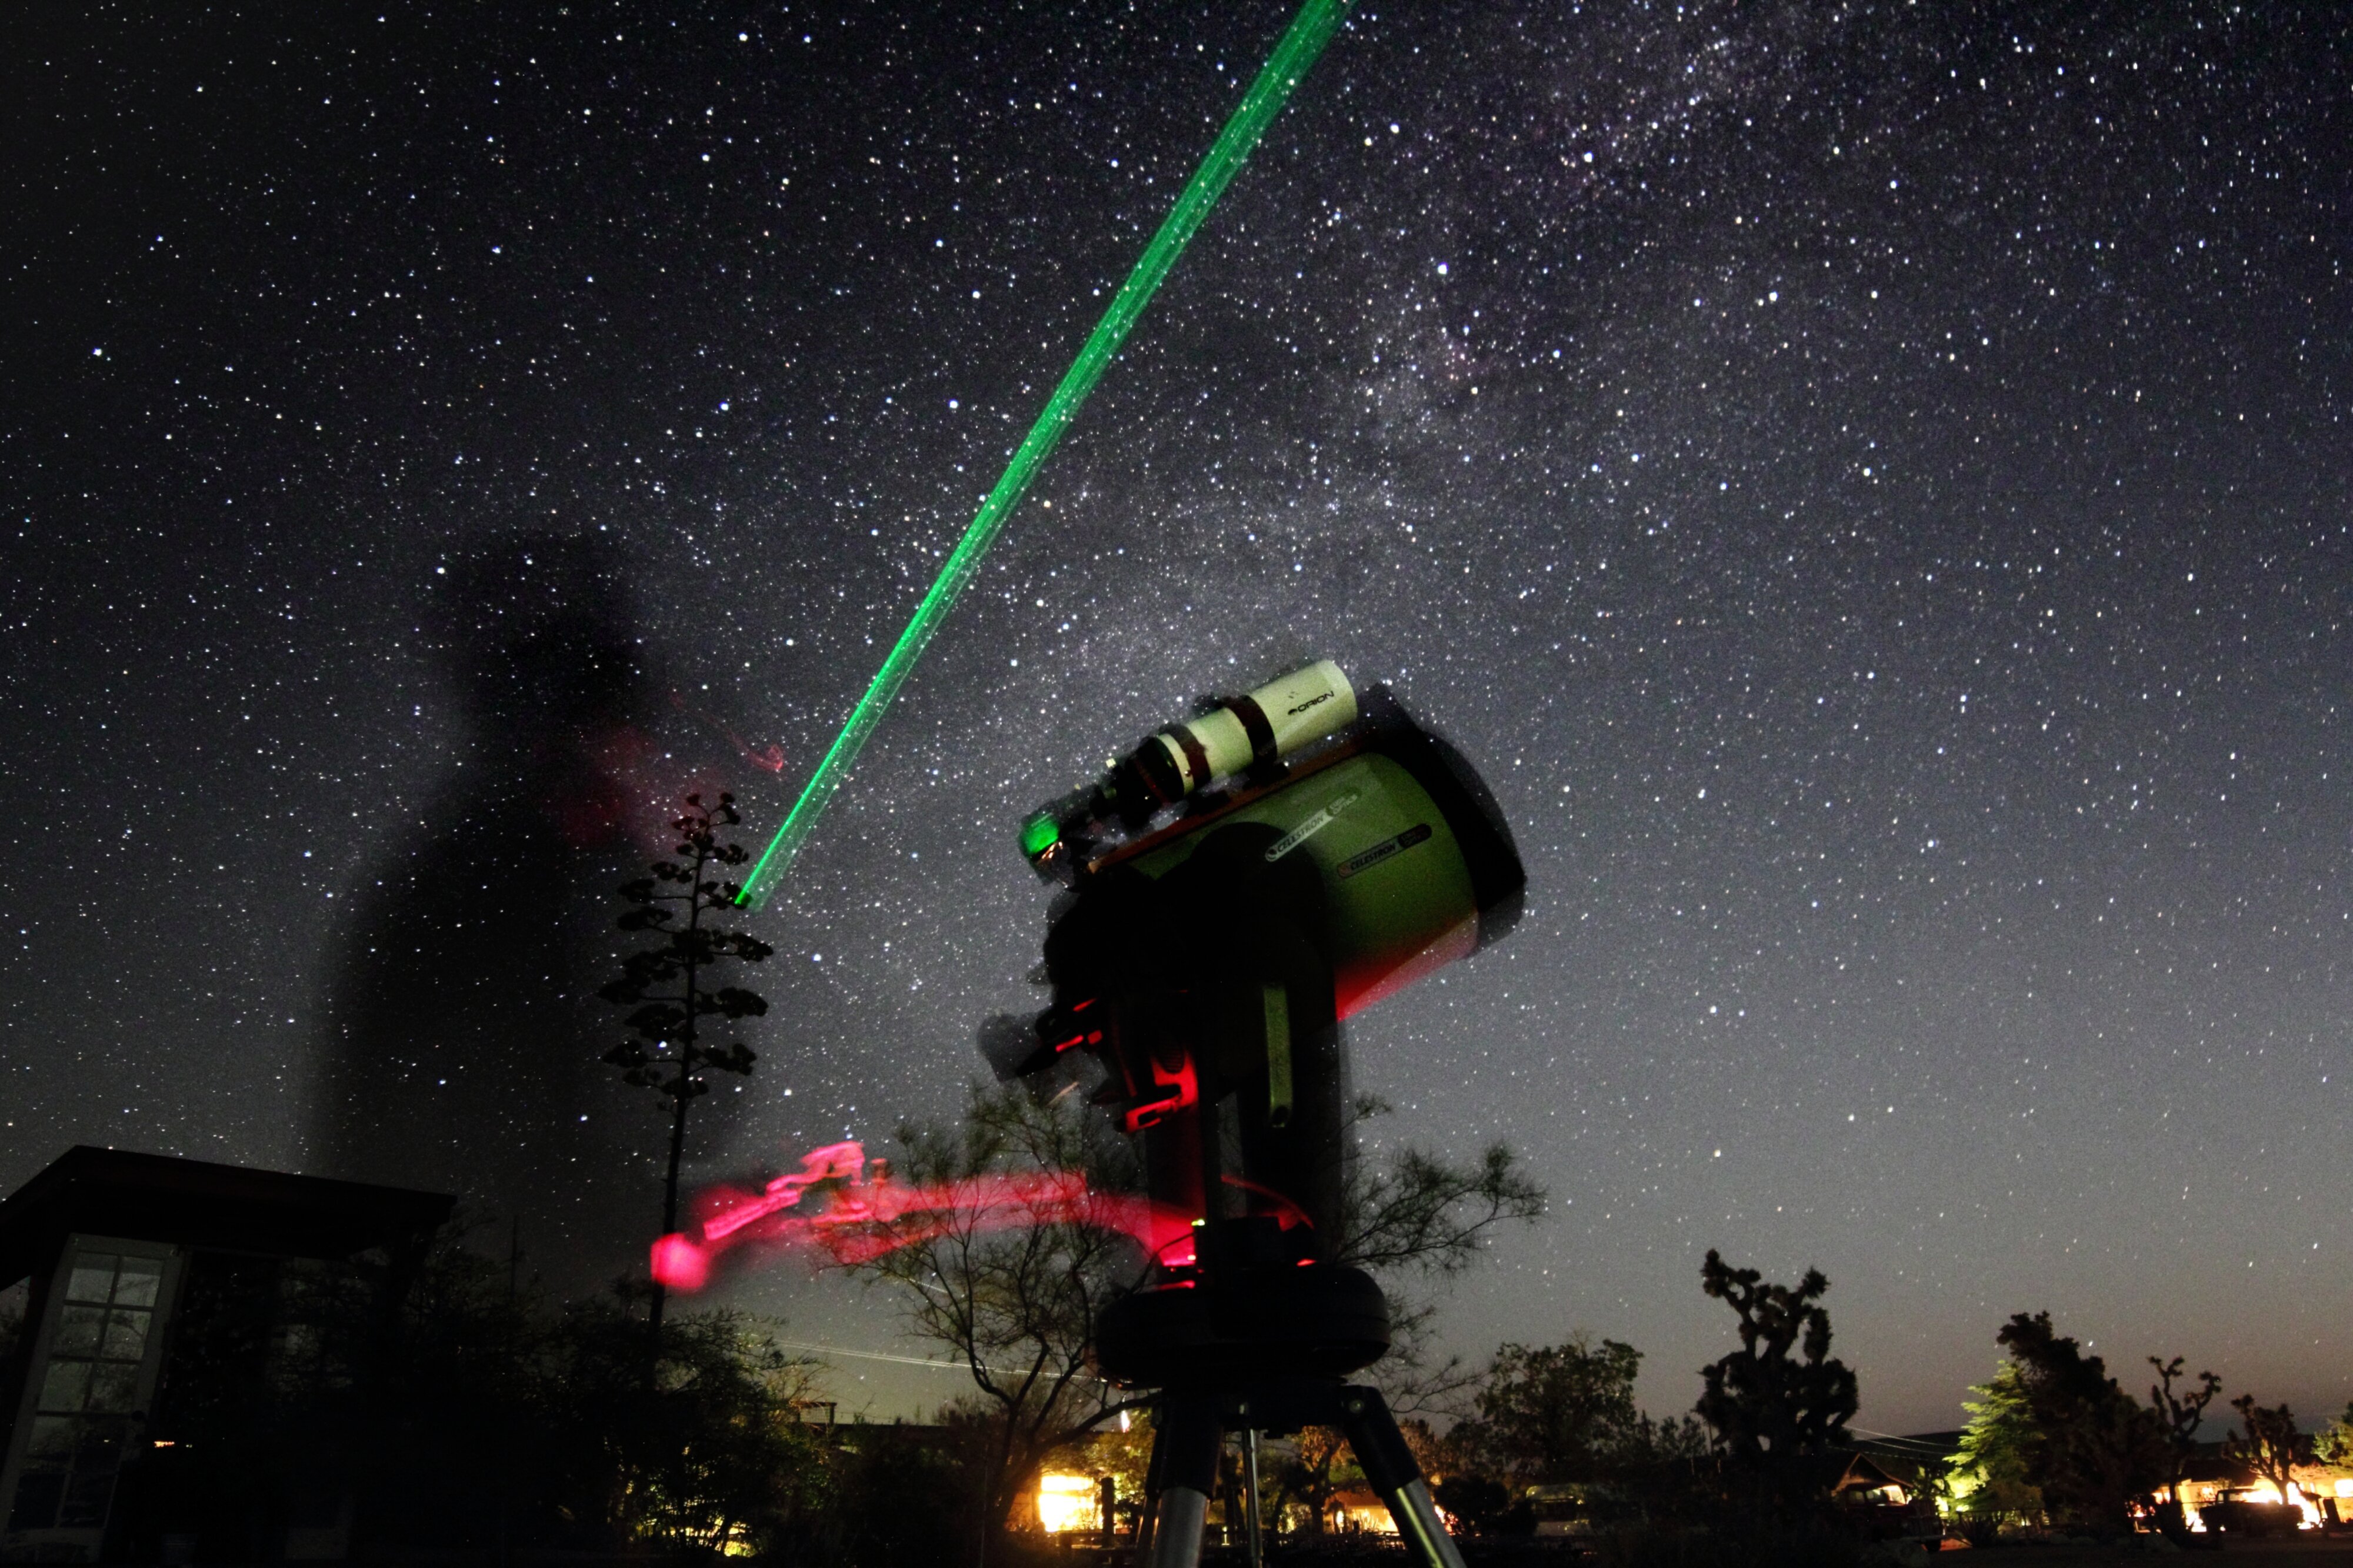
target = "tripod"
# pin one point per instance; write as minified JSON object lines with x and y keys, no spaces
{"x":1193,"y":1425}
{"x":1253,"y":1350}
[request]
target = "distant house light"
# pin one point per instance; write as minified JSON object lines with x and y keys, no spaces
{"x":1067,"y":1503}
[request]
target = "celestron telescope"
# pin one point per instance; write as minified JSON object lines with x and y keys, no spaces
{"x":1237,"y":885}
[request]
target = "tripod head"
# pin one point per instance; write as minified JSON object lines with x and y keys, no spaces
{"x":1203,"y":959}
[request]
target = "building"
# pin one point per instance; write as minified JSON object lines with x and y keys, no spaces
{"x":2320,"y":1495}
{"x":154,"y":1288}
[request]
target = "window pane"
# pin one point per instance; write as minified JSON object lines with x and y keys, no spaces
{"x":86,"y":1500}
{"x":140,"y":1278}
{"x":53,"y":1437}
{"x":98,"y":1445}
{"x":113,"y":1386}
{"x":93,"y":1277}
{"x":126,"y":1335}
{"x":66,"y":1385}
{"x":77,"y":1330}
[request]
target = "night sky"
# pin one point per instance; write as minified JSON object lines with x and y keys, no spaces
{"x":1870,"y":485}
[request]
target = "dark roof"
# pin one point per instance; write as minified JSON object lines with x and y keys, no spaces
{"x":1840,"y":1472}
{"x":195,"y":1203}
{"x":1913,"y":1445}
{"x":1836,"y":1470}
{"x":1911,"y":1456}
{"x":2219,"y":1468}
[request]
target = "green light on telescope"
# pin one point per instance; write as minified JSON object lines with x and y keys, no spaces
{"x":1309,"y":31}
{"x":1039,"y":833}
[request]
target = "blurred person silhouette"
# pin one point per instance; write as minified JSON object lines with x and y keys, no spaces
{"x":463,"y":1025}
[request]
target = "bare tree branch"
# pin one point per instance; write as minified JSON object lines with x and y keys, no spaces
{"x":1421,"y":1214}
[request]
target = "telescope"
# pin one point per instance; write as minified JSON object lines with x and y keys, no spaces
{"x":1236,"y":887}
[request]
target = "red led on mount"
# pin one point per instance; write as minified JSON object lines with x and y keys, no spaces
{"x":1183,"y":1081}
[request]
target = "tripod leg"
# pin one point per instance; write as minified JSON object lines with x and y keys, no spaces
{"x":1254,"y":1553}
{"x":1191,"y":1435}
{"x":1150,"y":1510}
{"x":1389,"y":1464}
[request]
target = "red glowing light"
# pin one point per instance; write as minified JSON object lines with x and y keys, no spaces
{"x":868,"y":1214}
{"x":769,"y":758}
{"x":1183,"y":1080}
{"x":1287,"y":1213}
{"x":679,"y":1264}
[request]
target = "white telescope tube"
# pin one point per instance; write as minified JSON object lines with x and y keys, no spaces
{"x":1267,"y":724}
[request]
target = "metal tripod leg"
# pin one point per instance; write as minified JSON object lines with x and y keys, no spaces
{"x":1389,"y":1465}
{"x":1254,"y":1552}
{"x":1191,"y":1435}
{"x":1149,"y":1513}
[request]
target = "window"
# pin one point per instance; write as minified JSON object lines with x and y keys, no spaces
{"x":89,"y":1391}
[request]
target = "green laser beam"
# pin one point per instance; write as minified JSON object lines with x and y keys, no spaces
{"x":1309,"y":31}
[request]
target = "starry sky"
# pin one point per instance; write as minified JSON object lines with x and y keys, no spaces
{"x":1868,"y":484}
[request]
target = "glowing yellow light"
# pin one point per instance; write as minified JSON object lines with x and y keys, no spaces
{"x":2345,"y":1489}
{"x":1067,"y":1502}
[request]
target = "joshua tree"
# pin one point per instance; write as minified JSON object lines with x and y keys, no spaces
{"x":2178,"y":1417}
{"x":2271,"y":1445}
{"x":1766,"y":1405}
{"x":669,"y":987}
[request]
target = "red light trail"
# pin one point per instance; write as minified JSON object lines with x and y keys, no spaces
{"x":867,"y":1215}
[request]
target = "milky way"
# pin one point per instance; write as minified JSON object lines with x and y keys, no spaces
{"x":1868,"y":484}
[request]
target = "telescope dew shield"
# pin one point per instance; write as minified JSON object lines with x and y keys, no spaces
{"x":1241,"y":732}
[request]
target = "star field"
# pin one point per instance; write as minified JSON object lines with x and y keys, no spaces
{"x":1866,"y":483}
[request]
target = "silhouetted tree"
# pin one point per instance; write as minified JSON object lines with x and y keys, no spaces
{"x":1770,"y":1409}
{"x":472,"y":1421}
{"x":713,"y":1458}
{"x":1318,"y":1468}
{"x":2094,"y":1449}
{"x":1555,"y":1414}
{"x":1991,"y":1478}
{"x":1014,"y":1296}
{"x":2270,"y":1442}
{"x":1418,"y":1221}
{"x":669,"y":984}
{"x":1419,"y":1214}
{"x":2333,"y":1444}
{"x":2178,"y":1417}
{"x":1018,"y":1302}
